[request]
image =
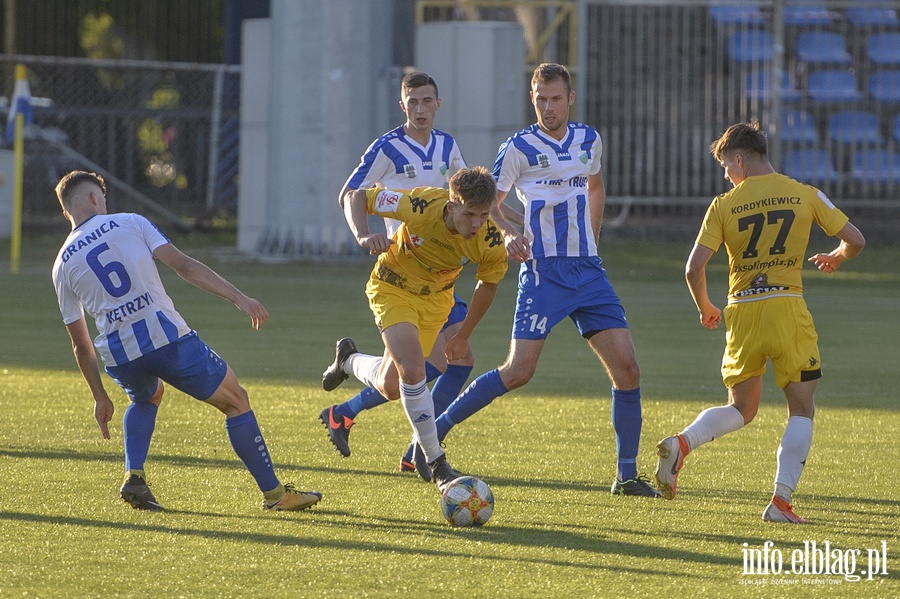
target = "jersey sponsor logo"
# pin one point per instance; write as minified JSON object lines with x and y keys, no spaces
{"x":410,"y":170}
{"x":550,"y":182}
{"x":563,"y":155}
{"x":130,"y":307}
{"x":760,"y":284}
{"x":764,"y":265}
{"x":86,"y":240}
{"x":387,"y":201}
{"x":416,"y":240}
{"x":764,"y":204}
{"x":543,"y":160}
{"x":578,"y":182}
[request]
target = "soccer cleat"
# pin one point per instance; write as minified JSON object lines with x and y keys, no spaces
{"x":334,"y":375}
{"x":442,"y":473}
{"x":294,"y":500}
{"x":136,"y":493}
{"x":406,"y":462}
{"x":338,"y":429}
{"x":638,"y":487}
{"x":671,"y":452}
{"x":420,"y":463}
{"x":780,"y":510}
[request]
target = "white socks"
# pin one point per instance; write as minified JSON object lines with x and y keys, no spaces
{"x":791,"y":455}
{"x":419,"y":407}
{"x":712,"y":423}
{"x":364,"y":367}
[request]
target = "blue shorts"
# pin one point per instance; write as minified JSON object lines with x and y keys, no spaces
{"x":552,"y":288}
{"x":457,"y":313}
{"x":187,"y":364}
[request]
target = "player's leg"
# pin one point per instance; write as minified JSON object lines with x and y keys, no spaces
{"x":792,"y":451}
{"x":516,"y":371}
{"x":138,"y":423}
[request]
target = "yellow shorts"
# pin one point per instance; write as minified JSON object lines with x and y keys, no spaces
{"x":781,"y":329}
{"x":392,"y":305}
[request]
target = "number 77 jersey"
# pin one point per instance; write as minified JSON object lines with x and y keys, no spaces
{"x":765,"y":223}
{"x":106,"y":269}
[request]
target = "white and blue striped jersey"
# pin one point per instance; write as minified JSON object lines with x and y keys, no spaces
{"x":550,"y":178}
{"x":106,"y":269}
{"x":396,"y":161}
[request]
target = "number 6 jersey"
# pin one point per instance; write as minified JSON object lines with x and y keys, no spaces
{"x":106,"y":269}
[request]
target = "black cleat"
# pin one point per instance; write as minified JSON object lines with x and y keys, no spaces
{"x":137,"y":494}
{"x":420,"y":463}
{"x":442,"y":473}
{"x":334,"y":375}
{"x":338,"y":429}
{"x":638,"y":486}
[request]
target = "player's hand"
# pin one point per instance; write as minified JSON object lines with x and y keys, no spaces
{"x":456,"y":348}
{"x":376,"y":244}
{"x":826,"y":262}
{"x":103,"y":412}
{"x":517,"y":247}
{"x":710,"y":317}
{"x":255,"y":310}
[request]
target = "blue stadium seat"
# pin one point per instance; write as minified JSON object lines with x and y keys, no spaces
{"x":823,"y":47}
{"x":867,"y":16}
{"x":732,"y":14}
{"x":809,"y":165}
{"x":876,"y":166}
{"x":884,"y":86}
{"x":895,"y":130}
{"x":854,"y":126}
{"x":884,"y":48}
{"x":760,"y":88}
{"x":833,"y":86}
{"x":805,"y":13}
{"x":750,"y":45}
{"x":798,"y":126}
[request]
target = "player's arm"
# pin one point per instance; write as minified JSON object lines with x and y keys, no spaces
{"x":356,"y":210}
{"x":344,"y":191}
{"x":852,"y":243}
{"x":695,"y":274}
{"x":200,"y":275}
{"x":86,"y":358}
{"x":597,"y":202}
{"x":482,"y":298}
{"x":517,"y":246}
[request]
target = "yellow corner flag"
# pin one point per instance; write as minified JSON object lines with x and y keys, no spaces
{"x":19,"y":115}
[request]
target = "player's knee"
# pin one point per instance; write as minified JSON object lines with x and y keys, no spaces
{"x":628,"y":376}
{"x":514,"y":376}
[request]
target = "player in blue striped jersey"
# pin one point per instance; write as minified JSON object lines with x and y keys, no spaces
{"x":555,"y":167}
{"x":106,"y":269}
{"x":412,"y":155}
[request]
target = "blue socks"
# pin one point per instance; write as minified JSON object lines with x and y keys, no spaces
{"x":483,"y":390}
{"x":627,"y":421}
{"x":448,"y":386}
{"x":249,"y":445}
{"x":137,"y":428}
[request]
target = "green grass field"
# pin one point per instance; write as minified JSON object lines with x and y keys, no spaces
{"x":547,"y":450}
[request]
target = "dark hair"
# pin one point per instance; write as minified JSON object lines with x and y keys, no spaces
{"x":66,"y":186}
{"x":740,"y":136}
{"x":473,"y":186}
{"x":549,"y":72}
{"x":417,"y":79}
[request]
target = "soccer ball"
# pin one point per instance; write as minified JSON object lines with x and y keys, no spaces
{"x":467,"y":501}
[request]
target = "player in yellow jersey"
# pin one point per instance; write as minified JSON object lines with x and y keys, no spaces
{"x":410,"y":290}
{"x":765,"y":223}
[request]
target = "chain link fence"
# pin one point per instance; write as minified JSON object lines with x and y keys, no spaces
{"x":165,"y":135}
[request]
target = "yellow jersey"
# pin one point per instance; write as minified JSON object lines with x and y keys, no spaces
{"x":426,"y":257}
{"x":765,"y":223}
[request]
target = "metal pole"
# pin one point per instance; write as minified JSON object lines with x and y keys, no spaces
{"x":215,"y":118}
{"x":581,"y":55}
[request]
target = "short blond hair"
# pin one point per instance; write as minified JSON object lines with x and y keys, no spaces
{"x":473,"y":186}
